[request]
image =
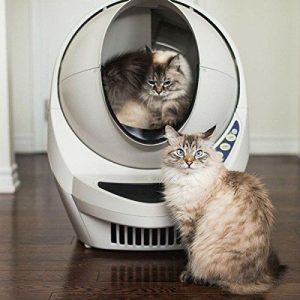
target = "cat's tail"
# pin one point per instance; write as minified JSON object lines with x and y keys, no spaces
{"x":275,"y":274}
{"x":276,"y":270}
{"x":248,"y":288}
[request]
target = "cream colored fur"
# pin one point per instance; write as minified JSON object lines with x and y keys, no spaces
{"x":134,"y":114}
{"x":162,"y":56}
{"x":224,"y":217}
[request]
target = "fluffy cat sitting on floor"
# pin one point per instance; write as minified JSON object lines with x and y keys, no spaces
{"x":148,"y":89}
{"x":224,"y":217}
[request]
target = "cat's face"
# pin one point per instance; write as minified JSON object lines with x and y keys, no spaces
{"x":189,"y":153}
{"x":169,"y":76}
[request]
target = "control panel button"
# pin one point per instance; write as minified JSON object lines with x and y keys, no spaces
{"x":230,"y":137}
{"x":221,"y":154}
{"x":225,"y":146}
{"x":234,"y":131}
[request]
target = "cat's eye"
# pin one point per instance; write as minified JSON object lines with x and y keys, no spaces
{"x":151,"y":82}
{"x":180,"y":152}
{"x":167,"y":82}
{"x":199,"y":154}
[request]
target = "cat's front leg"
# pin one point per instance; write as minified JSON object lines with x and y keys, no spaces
{"x":170,"y":121}
{"x":169,"y":117}
{"x":155,"y":120}
{"x":187,"y":230}
{"x":155,"y":124}
{"x":186,"y":276}
{"x":170,"y":113}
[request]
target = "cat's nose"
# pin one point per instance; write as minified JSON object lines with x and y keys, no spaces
{"x":158,"y":90}
{"x":189,"y":159}
{"x":189,"y":163}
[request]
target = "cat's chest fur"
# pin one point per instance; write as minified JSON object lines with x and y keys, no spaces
{"x":189,"y":196}
{"x":188,"y":190}
{"x":154,"y":103}
{"x":186,"y":205}
{"x":185,"y":201}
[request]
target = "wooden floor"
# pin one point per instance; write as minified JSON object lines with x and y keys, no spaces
{"x":40,"y":257}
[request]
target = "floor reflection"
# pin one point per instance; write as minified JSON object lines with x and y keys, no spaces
{"x":136,"y":275}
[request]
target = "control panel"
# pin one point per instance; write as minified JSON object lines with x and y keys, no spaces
{"x":226,"y":145}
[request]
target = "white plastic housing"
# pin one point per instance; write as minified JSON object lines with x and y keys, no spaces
{"x":86,"y":146}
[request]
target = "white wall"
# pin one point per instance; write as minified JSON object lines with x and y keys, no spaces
{"x":9,"y":181}
{"x":267,"y":34}
{"x":19,"y":64}
{"x":37,"y":29}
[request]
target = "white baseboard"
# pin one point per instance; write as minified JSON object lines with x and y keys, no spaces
{"x":274,"y":145}
{"x":9,"y":179}
{"x":24,"y":143}
{"x":258,"y":145}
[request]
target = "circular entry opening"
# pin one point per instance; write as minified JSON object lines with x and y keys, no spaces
{"x":149,"y":69}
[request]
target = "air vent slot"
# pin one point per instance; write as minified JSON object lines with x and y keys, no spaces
{"x":144,"y":237}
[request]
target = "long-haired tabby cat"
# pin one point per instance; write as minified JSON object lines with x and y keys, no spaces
{"x":224,"y":217}
{"x":148,"y":89}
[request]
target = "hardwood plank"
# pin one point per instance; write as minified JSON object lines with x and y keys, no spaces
{"x":41,"y":259}
{"x":47,"y":276}
{"x":24,"y":295}
{"x":95,"y":296}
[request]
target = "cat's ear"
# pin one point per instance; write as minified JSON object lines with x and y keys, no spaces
{"x":148,"y":50}
{"x":207,"y":134}
{"x":171,"y":134}
{"x":174,"y":61}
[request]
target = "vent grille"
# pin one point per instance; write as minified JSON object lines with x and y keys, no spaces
{"x":144,"y":237}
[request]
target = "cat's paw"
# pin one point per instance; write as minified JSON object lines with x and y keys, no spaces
{"x":155,"y":125}
{"x":170,"y":122}
{"x":186,"y":276}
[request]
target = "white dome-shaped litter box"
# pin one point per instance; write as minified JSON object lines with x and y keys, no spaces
{"x":107,"y":173}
